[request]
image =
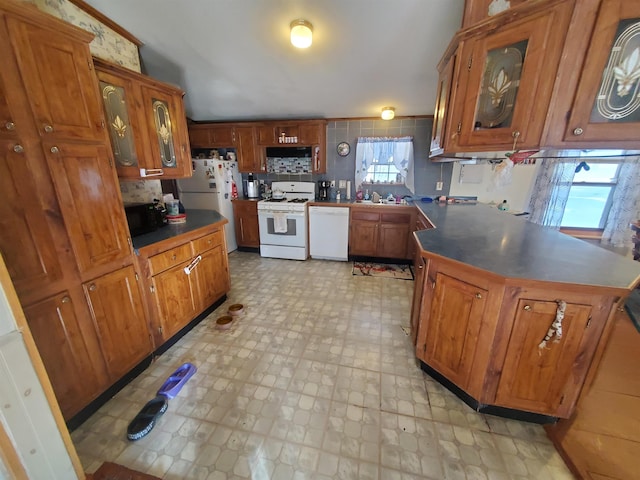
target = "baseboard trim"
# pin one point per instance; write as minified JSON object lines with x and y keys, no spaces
{"x":484,"y":408}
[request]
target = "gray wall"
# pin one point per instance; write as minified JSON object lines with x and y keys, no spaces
{"x":343,"y":168}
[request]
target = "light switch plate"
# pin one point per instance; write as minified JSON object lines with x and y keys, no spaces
{"x":438,"y":186}
{"x":333,"y":184}
{"x":342,"y":184}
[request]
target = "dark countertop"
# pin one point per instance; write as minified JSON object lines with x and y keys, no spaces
{"x":195,"y":219}
{"x":496,"y":241}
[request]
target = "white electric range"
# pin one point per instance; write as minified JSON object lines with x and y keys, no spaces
{"x":283,"y":222}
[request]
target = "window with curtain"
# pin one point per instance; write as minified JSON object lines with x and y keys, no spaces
{"x":584,"y":191}
{"x":384,"y":160}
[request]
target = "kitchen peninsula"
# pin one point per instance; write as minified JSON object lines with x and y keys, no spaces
{"x":510,"y":315}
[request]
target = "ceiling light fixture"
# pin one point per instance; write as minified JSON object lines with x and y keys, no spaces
{"x":301,"y":33}
{"x":388,"y":113}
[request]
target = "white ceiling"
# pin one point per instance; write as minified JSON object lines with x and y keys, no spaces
{"x":234,"y":60}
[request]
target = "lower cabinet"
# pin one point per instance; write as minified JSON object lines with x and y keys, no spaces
{"x":90,"y":337}
{"x":118,"y":316}
{"x":382,"y":231}
{"x":245,"y":216}
{"x":485,"y":334}
{"x":57,"y":332}
{"x":184,"y":277}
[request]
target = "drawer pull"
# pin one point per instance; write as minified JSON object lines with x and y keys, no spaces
{"x":18,"y":148}
{"x":65,"y":299}
{"x":48,"y":128}
{"x":10,"y":126}
{"x":578,"y":131}
{"x":55,"y":149}
{"x":92,"y":287}
{"x":527,"y":307}
{"x":174,"y":256}
{"x":478,"y":295}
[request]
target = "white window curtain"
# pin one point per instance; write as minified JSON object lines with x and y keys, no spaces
{"x":551,"y":191}
{"x":383,"y":148}
{"x":625,"y":206}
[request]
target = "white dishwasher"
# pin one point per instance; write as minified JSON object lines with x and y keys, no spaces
{"x":329,"y":233}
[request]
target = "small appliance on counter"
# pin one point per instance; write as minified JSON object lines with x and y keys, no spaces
{"x":145,"y":217}
{"x":323,"y":190}
{"x":253,"y":187}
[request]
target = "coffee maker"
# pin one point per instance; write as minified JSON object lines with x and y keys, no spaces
{"x":323,"y":190}
{"x":253,"y":189}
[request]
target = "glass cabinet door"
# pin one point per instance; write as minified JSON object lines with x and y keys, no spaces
{"x":164,"y":133}
{"x":506,"y":80}
{"x":607,"y":104}
{"x":117,"y":95}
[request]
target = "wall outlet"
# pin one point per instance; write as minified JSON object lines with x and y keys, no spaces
{"x":439,"y":186}
{"x":333,"y":184}
{"x":342,"y":184}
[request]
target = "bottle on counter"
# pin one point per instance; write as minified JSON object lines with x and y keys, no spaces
{"x":338,"y":196}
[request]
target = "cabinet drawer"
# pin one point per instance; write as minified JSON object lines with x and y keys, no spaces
{"x":163,"y":261}
{"x":395,"y":218}
{"x":365,"y":215}
{"x":207,"y":242}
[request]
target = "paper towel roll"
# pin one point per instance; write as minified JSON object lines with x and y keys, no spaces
{"x":348,"y":189}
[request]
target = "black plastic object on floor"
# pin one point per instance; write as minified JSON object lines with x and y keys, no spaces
{"x":632,"y":306}
{"x":145,"y":420}
{"x":176,"y":381}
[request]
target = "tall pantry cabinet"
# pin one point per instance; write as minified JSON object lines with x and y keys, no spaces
{"x":63,"y":233}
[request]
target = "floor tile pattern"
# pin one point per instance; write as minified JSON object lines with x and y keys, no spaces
{"x":316,"y":380}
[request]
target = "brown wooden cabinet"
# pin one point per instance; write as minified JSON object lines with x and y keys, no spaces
{"x":543,"y":74}
{"x":249,"y":159}
{"x":245,"y":216}
{"x":63,"y":229}
{"x":146,"y":123}
{"x":455,"y":313}
{"x":116,"y":308}
{"x":420,"y":266}
{"x":26,"y":240}
{"x":607,"y":105}
{"x":184,"y":276}
{"x":380,"y":231}
{"x":483,"y":333}
{"x":57,"y":73}
{"x":89,"y":198}
{"x":505,"y":89}
{"x":56,"y":330}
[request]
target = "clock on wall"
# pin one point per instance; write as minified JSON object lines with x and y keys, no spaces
{"x":343,"y":149}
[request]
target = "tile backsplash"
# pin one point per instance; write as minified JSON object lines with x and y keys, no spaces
{"x":140,"y":191}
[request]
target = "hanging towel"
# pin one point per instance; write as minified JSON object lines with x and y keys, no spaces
{"x":279,"y":222}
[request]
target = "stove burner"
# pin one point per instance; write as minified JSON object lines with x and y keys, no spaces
{"x":277,"y":200}
{"x":298,"y":200}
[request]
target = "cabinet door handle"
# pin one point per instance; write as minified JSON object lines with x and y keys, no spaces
{"x":478,"y":295}
{"x":10,"y":126}
{"x":189,"y":268}
{"x":578,"y":131}
{"x":65,"y":299}
{"x":174,"y":256}
{"x":48,"y":128}
{"x":18,"y":148}
{"x":55,"y":149}
{"x":527,"y":307}
{"x":151,"y":172}
{"x":92,"y":287}
{"x":420,"y":267}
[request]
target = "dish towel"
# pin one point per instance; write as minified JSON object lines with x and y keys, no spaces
{"x":279,"y":222}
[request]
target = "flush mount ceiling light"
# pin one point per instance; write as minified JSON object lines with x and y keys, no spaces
{"x":388,"y":113}
{"x":301,"y":33}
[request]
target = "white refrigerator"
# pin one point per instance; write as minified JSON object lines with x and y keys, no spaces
{"x":210,"y":188}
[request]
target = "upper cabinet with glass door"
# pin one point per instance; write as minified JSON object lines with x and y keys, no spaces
{"x":146,"y":123}
{"x":607,"y":102}
{"x":560,"y":74}
{"x":506,"y":80}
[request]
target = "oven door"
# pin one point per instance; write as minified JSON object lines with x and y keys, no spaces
{"x":295,"y":234}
